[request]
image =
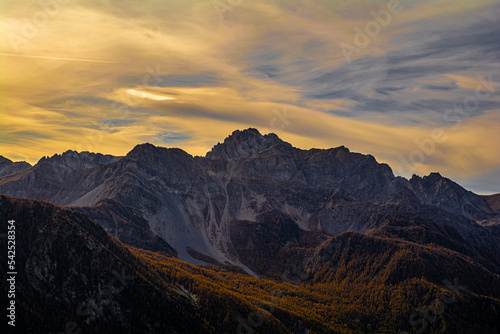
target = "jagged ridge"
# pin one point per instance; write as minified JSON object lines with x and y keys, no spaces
{"x":193,"y":203}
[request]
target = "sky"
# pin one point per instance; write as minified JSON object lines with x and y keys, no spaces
{"x":414,"y":83}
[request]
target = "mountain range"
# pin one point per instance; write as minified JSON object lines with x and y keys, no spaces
{"x":327,"y":227}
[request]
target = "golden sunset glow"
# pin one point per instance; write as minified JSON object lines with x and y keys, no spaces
{"x":104,"y":76}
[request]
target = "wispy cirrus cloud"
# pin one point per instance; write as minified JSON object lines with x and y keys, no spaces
{"x":115,"y":73}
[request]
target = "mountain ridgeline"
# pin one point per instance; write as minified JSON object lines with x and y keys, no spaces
{"x":334,"y":230}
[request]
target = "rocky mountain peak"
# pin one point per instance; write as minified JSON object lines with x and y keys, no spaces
{"x":8,"y":166}
{"x":79,"y":161}
{"x":437,"y":190}
{"x":4,"y":161}
{"x":140,"y":149}
{"x":150,"y":153}
{"x":244,"y":143}
{"x":433,"y":180}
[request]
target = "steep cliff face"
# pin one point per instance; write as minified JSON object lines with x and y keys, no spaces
{"x":126,"y":224}
{"x":201,"y":205}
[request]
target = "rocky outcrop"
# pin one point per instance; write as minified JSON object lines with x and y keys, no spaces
{"x":449,"y":196}
{"x":126,"y":224}
{"x":208,"y":205}
{"x":79,"y":161}
{"x":244,"y":143}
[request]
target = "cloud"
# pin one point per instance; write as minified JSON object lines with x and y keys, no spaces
{"x":106,"y":75}
{"x":146,"y":95}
